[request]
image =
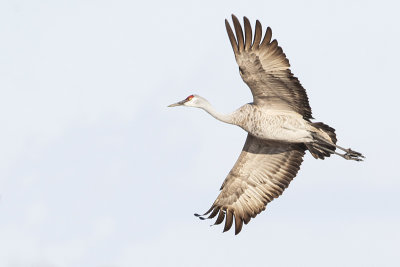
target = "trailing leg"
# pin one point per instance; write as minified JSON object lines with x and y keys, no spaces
{"x":348,"y":156}
{"x":325,"y":144}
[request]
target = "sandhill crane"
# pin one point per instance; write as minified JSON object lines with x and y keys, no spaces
{"x":279,"y":129}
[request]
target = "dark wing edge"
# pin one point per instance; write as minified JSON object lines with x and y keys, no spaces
{"x":264,"y":67}
{"x":262,"y":172}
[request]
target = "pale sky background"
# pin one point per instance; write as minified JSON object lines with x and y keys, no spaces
{"x":95,"y":170}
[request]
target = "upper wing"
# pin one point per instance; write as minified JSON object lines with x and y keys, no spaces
{"x":265,"y":69}
{"x":264,"y":169}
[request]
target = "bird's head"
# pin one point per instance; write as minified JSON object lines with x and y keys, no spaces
{"x":191,"y":101}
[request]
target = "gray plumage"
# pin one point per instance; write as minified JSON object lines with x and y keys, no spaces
{"x":279,"y":129}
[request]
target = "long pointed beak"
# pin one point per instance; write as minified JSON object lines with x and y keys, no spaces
{"x":180,"y":103}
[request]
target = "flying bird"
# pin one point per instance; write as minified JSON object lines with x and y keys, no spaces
{"x":279,"y":127}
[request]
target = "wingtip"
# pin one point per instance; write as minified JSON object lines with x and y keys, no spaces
{"x":239,"y":33}
{"x":199,"y":216}
{"x":234,"y":17}
{"x":227,"y":23}
{"x":258,"y":24}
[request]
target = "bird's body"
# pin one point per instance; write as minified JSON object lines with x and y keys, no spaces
{"x":274,"y":125}
{"x":279,"y":127}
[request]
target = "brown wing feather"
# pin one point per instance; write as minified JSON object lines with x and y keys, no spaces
{"x":257,"y":35}
{"x":248,"y":33}
{"x":239,"y":33}
{"x":262,"y":172}
{"x":265,"y":69}
{"x":232,"y":38}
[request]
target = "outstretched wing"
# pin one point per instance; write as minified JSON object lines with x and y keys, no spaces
{"x":265,"y":69}
{"x":262,"y":172}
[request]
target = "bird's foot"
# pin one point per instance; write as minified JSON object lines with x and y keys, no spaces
{"x":353,"y":155}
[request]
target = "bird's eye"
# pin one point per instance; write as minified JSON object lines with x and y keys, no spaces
{"x":189,"y":97}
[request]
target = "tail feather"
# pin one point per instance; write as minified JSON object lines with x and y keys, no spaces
{"x":327,"y":129}
{"x":325,"y":132}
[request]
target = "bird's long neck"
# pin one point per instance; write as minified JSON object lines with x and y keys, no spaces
{"x":227,"y":118}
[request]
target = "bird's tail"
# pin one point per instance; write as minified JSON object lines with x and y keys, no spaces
{"x":322,"y":135}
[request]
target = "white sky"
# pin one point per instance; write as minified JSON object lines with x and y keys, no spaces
{"x":96,"y":171}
